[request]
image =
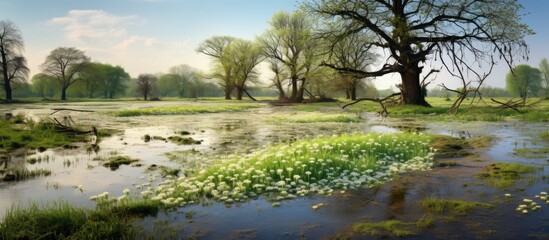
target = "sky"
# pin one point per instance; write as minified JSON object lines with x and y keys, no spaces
{"x":150,"y":36}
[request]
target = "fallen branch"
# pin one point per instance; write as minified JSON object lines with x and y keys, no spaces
{"x":510,"y":104}
{"x":68,"y":109}
{"x":384,"y":111}
{"x":250,"y":96}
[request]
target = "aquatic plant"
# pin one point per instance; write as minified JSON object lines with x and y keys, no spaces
{"x":504,"y":175}
{"x":25,"y":174}
{"x":115,"y":162}
{"x":314,"y":166}
{"x":183,"y":110}
{"x":314,"y":118}
{"x":393,"y":227}
{"x":455,"y":206}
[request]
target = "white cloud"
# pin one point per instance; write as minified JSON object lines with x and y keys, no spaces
{"x":90,"y":25}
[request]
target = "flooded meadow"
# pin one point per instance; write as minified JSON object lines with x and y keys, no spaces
{"x":473,"y":192}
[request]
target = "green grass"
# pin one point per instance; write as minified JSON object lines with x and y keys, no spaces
{"x":25,"y":174}
{"x":183,"y":140}
{"x":504,"y":175}
{"x":532,"y":152}
{"x":439,"y":205}
{"x":490,"y":111}
{"x":305,"y":167}
{"x":183,"y":110}
{"x":60,"y":220}
{"x":544,"y":136}
{"x":315,"y":118}
{"x":391,"y":227}
{"x":32,"y":135}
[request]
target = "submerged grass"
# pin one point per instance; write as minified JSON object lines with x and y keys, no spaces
{"x":391,"y":227}
{"x":24,"y":174}
{"x":114,"y":162}
{"x":504,"y":175}
{"x":315,"y":118}
{"x":183,"y":110}
{"x":439,"y":205}
{"x":308,"y":166}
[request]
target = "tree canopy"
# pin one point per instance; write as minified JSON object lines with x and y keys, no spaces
{"x":65,"y":64}
{"x":460,"y":34}
{"x":524,"y":81}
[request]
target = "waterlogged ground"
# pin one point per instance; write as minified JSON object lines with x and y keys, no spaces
{"x":77,"y":175}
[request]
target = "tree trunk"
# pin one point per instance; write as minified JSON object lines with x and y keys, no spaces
{"x":7,"y":86}
{"x":239,"y":92}
{"x":145,"y":96}
{"x":353,"y":92}
{"x":64,"y":93}
{"x":293,"y":96}
{"x":411,"y":89}
{"x":227,"y":94}
{"x":347,"y":94}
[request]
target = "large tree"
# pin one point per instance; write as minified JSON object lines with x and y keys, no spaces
{"x":115,"y":82}
{"x":524,"y":81}
{"x":65,"y":64}
{"x":461,"y":34}
{"x":222,"y":70}
{"x":243,"y":57}
{"x":12,"y":64}
{"x":145,"y":84}
{"x":289,"y":41}
{"x":544,"y":68}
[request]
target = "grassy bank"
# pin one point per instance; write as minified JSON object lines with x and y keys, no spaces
{"x":17,"y":133}
{"x":60,"y":220}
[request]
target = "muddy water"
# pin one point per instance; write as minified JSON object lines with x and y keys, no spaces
{"x":223,"y":133}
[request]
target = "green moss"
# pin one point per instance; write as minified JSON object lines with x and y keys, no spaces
{"x":448,"y":147}
{"x":504,"y":175}
{"x":183,"y":140}
{"x":391,"y":228}
{"x":439,"y":205}
{"x":147,"y":138}
{"x":184,"y":132}
{"x":425,"y":221}
{"x":480,"y":141}
{"x":115,"y":162}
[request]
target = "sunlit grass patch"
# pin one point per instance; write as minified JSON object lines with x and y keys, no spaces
{"x":314,"y":118}
{"x":439,"y":205}
{"x":183,"y":110}
{"x":305,"y":167}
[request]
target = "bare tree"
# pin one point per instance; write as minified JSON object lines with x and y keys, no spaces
{"x":65,"y":64}
{"x":351,"y":52}
{"x":184,"y":75}
{"x":12,"y":64}
{"x":214,"y":47}
{"x":461,"y":34}
{"x":280,"y":76}
{"x":289,"y":41}
{"x":145,"y":84}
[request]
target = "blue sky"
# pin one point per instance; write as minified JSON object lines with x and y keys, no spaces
{"x":150,"y":36}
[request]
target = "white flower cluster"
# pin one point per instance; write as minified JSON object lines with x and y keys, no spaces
{"x":306,"y":167}
{"x":529,"y":204}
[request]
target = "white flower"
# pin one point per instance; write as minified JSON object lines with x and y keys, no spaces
{"x":126,"y":191}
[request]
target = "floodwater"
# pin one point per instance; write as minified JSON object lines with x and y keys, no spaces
{"x":225,"y":133}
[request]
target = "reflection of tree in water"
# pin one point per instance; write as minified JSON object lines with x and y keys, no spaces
{"x":397,"y":197}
